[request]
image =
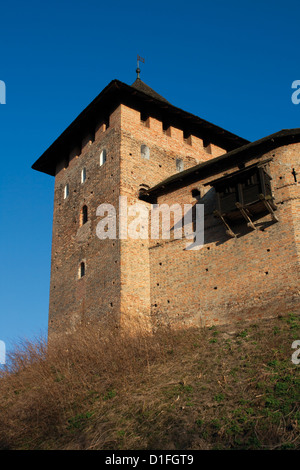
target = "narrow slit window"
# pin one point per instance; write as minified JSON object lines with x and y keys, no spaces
{"x":66,"y":191}
{"x":294,"y":173}
{"x":81,"y":270}
{"x":83,"y":175}
{"x":102,"y":157}
{"x":84,"y":215}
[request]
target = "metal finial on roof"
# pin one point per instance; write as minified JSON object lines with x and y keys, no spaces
{"x":138,"y":70}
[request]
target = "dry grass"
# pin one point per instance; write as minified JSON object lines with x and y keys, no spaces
{"x":193,"y":389}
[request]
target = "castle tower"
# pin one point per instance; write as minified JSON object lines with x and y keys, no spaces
{"x":127,"y":139}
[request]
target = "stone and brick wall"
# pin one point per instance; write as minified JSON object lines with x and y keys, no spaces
{"x":116,"y":284}
{"x":251,"y":276}
{"x":153,"y":282}
{"x":136,"y":171}
{"x":72,"y":299}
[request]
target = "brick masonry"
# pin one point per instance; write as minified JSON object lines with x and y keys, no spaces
{"x":252,"y":276}
{"x":159,"y":282}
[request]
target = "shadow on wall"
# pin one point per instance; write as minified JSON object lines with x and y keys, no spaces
{"x":214,"y":229}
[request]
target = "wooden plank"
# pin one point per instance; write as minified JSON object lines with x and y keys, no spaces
{"x":228,"y":231}
{"x":246,"y":216}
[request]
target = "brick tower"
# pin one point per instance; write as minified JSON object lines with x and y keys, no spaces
{"x":129,"y":138}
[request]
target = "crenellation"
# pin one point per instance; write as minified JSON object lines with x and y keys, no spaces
{"x":87,"y":142}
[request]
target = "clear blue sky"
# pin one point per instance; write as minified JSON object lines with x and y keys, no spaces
{"x":229,"y":62}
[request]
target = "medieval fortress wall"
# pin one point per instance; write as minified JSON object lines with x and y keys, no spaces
{"x":248,"y":277}
{"x":157,"y":282}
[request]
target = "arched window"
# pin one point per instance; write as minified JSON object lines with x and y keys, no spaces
{"x":66,"y":191}
{"x":102,"y":157}
{"x":179,"y":164}
{"x":84,"y":215}
{"x":145,"y":152}
{"x":83,"y":175}
{"x":81,"y":271}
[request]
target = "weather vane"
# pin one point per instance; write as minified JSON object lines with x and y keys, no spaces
{"x":138,"y":70}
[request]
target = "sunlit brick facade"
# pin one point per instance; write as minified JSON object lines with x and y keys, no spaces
{"x":131,"y":142}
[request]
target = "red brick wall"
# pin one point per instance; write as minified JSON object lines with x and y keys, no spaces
{"x":136,"y":171}
{"x":157,"y":282}
{"x":248,"y":277}
{"x":74,"y":300}
{"x":117,"y":279}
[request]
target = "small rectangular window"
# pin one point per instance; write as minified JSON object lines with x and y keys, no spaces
{"x":83,"y":215}
{"x":81,"y":270}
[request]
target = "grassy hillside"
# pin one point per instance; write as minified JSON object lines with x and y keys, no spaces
{"x":231,"y":387}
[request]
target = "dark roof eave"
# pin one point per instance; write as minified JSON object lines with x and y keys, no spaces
{"x":112,"y":95}
{"x":45,"y":162}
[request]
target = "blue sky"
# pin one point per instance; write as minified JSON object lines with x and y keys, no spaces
{"x":231,"y":63}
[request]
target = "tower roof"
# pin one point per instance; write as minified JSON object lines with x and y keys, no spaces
{"x":143,"y":87}
{"x":141,"y":97}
